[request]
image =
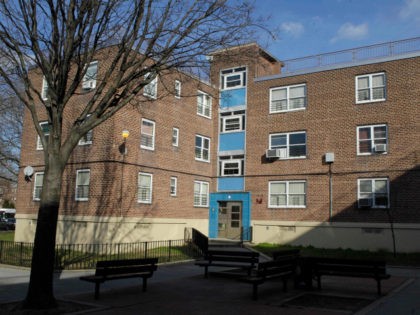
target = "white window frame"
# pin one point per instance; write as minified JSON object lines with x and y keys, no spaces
{"x":202,"y":149}
{"x":46,"y":134}
{"x":288,"y":145}
{"x":372,"y":139}
{"x":287,"y":194}
{"x":288,"y":98}
{"x":150,"y":89}
{"x":373,"y":193}
{"x":89,"y":83}
{"x":226,"y":73}
{"x":200,"y":201}
{"x":44,"y":90}
{"x":37,"y":185}
{"x":178,"y":86}
{"x":224,"y":162}
{"x":173,"y":186}
{"x":204,"y":104}
{"x":175,"y":137}
{"x":152,"y":147}
{"x":77,"y":198}
{"x":224,"y":118}
{"x":370,"y":78}
{"x":86,"y":139}
{"x":150,"y":188}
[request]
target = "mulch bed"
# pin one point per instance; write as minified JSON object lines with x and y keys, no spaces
{"x":64,"y":307}
{"x":333,"y":302}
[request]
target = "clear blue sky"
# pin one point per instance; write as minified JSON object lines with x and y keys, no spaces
{"x":310,"y":27}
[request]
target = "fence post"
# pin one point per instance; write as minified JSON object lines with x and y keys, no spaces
{"x":145,"y":250}
{"x":21,"y":254}
{"x":1,"y":251}
{"x":169,"y":254}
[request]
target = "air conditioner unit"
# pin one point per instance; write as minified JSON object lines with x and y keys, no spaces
{"x":282,"y":153}
{"x":380,"y":148}
{"x":276,"y":153}
{"x":88,"y":85}
{"x":271,"y":154}
{"x":365,"y":202}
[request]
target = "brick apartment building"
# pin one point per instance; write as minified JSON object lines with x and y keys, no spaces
{"x":320,"y":151}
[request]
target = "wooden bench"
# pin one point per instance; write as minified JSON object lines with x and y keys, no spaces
{"x":122,"y":269}
{"x":229,"y":258}
{"x":375,"y":269}
{"x":283,"y":267}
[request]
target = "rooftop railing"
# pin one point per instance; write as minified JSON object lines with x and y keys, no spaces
{"x":352,"y":56}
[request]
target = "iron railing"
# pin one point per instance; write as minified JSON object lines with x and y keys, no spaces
{"x":349,"y":56}
{"x":85,"y":256}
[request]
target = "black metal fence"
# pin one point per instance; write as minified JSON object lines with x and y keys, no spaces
{"x":85,"y":256}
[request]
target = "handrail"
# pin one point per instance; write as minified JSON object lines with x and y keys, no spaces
{"x":359,"y":54}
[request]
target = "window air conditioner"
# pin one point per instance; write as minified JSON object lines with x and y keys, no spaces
{"x":282,"y":153}
{"x":271,"y":154}
{"x":380,"y":148}
{"x":365,"y":202}
{"x":88,"y":85}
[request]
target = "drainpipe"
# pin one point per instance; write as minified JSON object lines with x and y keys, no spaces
{"x":329,"y":159}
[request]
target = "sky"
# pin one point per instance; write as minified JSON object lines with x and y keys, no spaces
{"x":310,"y":27}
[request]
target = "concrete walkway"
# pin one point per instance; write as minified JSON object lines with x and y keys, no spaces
{"x":181,"y":289}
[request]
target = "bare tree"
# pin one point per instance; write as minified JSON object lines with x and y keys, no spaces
{"x":11,"y":118}
{"x":60,"y":38}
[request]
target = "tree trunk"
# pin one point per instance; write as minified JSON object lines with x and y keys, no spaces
{"x":40,"y":292}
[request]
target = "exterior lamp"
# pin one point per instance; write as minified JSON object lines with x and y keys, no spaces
{"x":123,"y":148}
{"x":125,"y":134}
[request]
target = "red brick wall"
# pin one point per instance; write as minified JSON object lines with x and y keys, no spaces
{"x":113,"y":183}
{"x":330,"y":122}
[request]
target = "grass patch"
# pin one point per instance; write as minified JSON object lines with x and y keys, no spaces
{"x":401,"y":259}
{"x":7,"y":236}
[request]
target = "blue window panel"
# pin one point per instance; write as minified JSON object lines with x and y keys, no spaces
{"x":231,"y":98}
{"x":244,"y":197}
{"x":230,"y":184}
{"x":232,"y":141}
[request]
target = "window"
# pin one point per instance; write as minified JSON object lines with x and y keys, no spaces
{"x":288,"y":98}
{"x":38,"y":179}
{"x":203,"y":104}
{"x":201,"y":194}
{"x":173,"y":186}
{"x":89,"y":79}
{"x":291,"y":145}
{"x":372,"y":139}
{"x":231,"y":165}
{"x":82,"y":185}
{"x":233,"y":78}
{"x":287,"y":194}
{"x":147,"y":137}
{"x":202,"y":148}
{"x":231,"y":168}
{"x":175,"y":137}
{"x":87,"y":138}
{"x":144,"y":188}
{"x":177,"y":89}
{"x":370,"y":88}
{"x":150,"y":90}
{"x":44,"y":91}
{"x":373,"y":193}
{"x":232,"y":122}
{"x":45,"y":128}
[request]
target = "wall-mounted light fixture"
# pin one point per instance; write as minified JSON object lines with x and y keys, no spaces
{"x":123,"y":148}
{"x":125,"y":133}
